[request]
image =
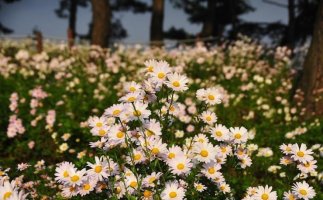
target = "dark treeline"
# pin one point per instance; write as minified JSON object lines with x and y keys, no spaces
{"x":219,"y":19}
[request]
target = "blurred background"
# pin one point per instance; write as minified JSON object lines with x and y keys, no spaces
{"x":142,"y":21}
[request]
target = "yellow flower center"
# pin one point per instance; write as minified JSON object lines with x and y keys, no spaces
{"x":102,"y":132}
{"x":222,"y":187}
{"x":7,"y":195}
{"x":176,"y":84}
{"x":199,"y":187}
{"x":211,"y":170}
{"x":116,"y":112}
{"x":307,"y":164}
{"x":218,"y":133}
{"x":120,"y":134}
{"x":86,"y":186}
{"x":151,"y":179}
{"x":237,"y":136}
{"x":155,"y":151}
{"x":75,"y":178}
{"x":99,"y":124}
{"x":180,"y":166}
{"x":65,"y":174}
{"x":149,"y":133}
{"x":303,"y":192}
{"x":300,"y":154}
{"x":223,"y":149}
{"x":137,"y":156}
{"x":171,"y":155}
{"x":204,"y":153}
{"x":264,"y":196}
{"x":161,"y":75}
{"x":172,"y":194}
{"x":137,"y":113}
{"x":150,"y":69}
{"x":133,"y":184}
{"x":147,"y":193}
{"x":118,"y":190}
{"x":211,"y":97}
{"x":172,"y":108}
{"x":201,"y":140}
{"x":98,"y":169}
{"x":132,"y":89}
{"x":208,"y":118}
{"x":131,"y":99}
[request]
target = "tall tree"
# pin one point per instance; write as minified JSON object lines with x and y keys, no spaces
{"x":101,"y":16}
{"x":208,"y":25}
{"x":157,"y":21}
{"x":311,"y":83}
{"x":214,"y":15}
{"x":68,"y":9}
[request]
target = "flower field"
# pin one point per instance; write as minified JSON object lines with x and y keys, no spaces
{"x":141,"y":123}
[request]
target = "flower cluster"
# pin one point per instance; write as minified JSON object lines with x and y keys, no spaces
{"x":138,"y":131}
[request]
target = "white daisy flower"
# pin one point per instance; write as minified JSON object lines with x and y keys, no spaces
{"x":97,"y":122}
{"x":220,"y":133}
{"x":119,"y":189}
{"x":239,"y":135}
{"x":289,"y":196}
{"x":114,"y":111}
{"x":139,"y":111}
{"x":307,"y":167}
{"x":199,"y":187}
{"x":132,"y":97}
{"x":301,"y":154}
{"x":99,"y":168}
{"x":76,"y":177}
{"x":8,"y":190}
{"x":150,"y":65}
{"x":138,"y":156}
{"x":100,"y":131}
{"x":177,"y":82}
{"x":151,"y":179}
{"x":201,"y":138}
{"x":265,"y":193}
{"x":132,"y":87}
{"x":172,"y":191}
{"x":87,"y":186}
{"x":161,"y":71}
{"x":286,"y":149}
{"x":180,"y":165}
{"x":63,"y":171}
{"x":210,"y":169}
{"x":245,"y":161}
{"x":224,"y":187}
{"x":208,"y":117}
{"x":152,"y":127}
{"x":173,"y":152}
{"x":157,"y":147}
{"x":204,"y":152}
{"x":117,"y":134}
{"x":212,"y":96}
{"x":303,"y":191}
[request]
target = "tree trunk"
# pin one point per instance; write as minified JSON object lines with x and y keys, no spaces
{"x":208,"y":24}
{"x":101,"y":22}
{"x":157,"y":21}
{"x":71,"y":31}
{"x":291,"y":24}
{"x":311,"y":84}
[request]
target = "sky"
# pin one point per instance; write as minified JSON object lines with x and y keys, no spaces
{"x":25,"y":15}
